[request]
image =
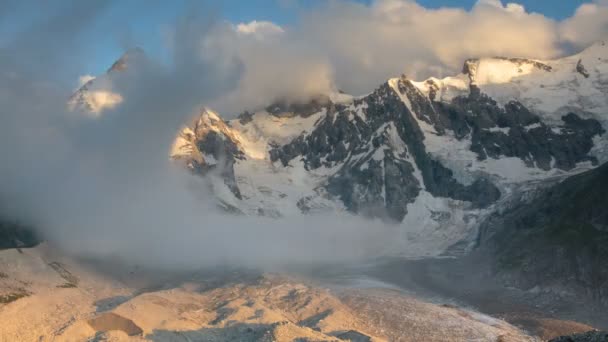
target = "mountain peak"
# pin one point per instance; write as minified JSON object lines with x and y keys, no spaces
{"x":129,"y":55}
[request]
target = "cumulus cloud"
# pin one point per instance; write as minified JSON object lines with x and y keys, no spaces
{"x":276,"y":66}
{"x":368,"y":44}
{"x":355,"y":47}
{"x":588,"y":25}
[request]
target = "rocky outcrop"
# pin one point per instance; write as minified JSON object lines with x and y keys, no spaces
{"x":207,"y":145}
{"x":580,"y":68}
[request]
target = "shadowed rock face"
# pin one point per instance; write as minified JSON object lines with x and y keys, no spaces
{"x":559,"y":238}
{"x":591,"y":336}
{"x":114,"y":322}
{"x":512,"y":131}
{"x":354,"y":336}
{"x":13,"y":235}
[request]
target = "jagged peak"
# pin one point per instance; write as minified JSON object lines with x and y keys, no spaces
{"x":129,"y":55}
{"x":205,"y":120}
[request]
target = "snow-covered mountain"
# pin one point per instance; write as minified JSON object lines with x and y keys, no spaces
{"x":435,"y":157}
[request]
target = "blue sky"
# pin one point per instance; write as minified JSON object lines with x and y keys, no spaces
{"x":140,"y":22}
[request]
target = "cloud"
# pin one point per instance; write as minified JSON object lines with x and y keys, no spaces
{"x":275,"y":64}
{"x":260,"y":29}
{"x":355,"y":47}
{"x":368,"y":44}
{"x":104,"y":186}
{"x":102,"y":100}
{"x":84,"y":79}
{"x":588,"y":25}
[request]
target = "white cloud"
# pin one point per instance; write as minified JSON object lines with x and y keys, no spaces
{"x":275,"y":66}
{"x":261,"y":29}
{"x":588,"y":25}
{"x":355,"y":47}
{"x":82,"y":80}
{"x":368,"y":44}
{"x":100,"y":100}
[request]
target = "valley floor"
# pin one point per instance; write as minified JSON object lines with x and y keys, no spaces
{"x":45,"y":296}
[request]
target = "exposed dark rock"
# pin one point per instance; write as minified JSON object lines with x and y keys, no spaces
{"x":113,"y":322}
{"x":123,"y":62}
{"x":580,"y":68}
{"x":377,"y":148}
{"x":286,"y":108}
{"x":225,"y":152}
{"x":245,"y":117}
{"x":512,"y":131}
{"x":7,"y":298}
{"x":354,"y":336}
{"x":521,"y":61}
{"x":71,"y":280}
{"x":591,"y":336}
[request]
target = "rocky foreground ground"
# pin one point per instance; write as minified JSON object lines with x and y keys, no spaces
{"x":47,"y":297}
